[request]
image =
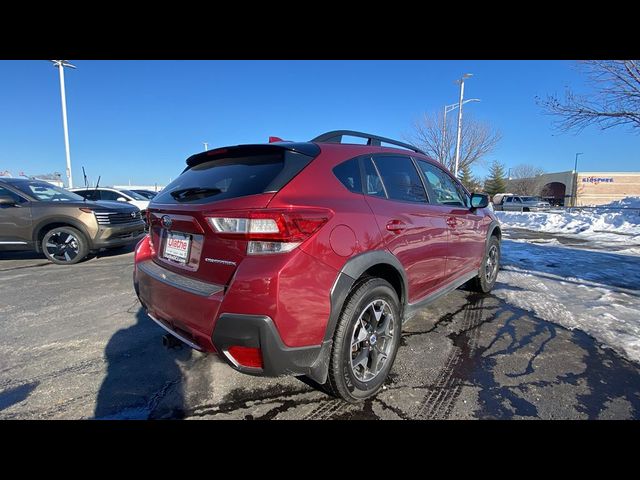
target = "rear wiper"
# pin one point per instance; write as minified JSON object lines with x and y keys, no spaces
{"x":184,"y":193}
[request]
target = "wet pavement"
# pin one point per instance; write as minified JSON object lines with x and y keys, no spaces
{"x":75,"y":344}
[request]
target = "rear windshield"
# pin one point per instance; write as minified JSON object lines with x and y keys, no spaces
{"x":225,"y":178}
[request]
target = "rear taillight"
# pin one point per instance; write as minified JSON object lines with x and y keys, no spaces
{"x":270,"y":231}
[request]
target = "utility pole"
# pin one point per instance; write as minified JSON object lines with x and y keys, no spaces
{"x":460,"y":102}
{"x":61,"y":64}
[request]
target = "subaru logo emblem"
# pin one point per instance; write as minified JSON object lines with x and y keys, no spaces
{"x":166,"y":221}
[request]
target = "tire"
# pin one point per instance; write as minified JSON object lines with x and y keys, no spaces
{"x":485,"y":280}
{"x":65,"y":245}
{"x":357,"y":323}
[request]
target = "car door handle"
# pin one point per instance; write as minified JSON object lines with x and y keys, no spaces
{"x":396,"y":226}
{"x":452,"y":222}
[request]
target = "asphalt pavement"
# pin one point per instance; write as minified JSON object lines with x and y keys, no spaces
{"x":75,"y":344}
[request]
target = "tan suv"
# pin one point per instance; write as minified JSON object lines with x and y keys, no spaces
{"x":36,"y":215}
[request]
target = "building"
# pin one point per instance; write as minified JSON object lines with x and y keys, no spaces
{"x":587,"y":188}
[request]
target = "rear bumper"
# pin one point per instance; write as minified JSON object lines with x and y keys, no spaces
{"x":278,"y":359}
{"x":118,"y":235}
{"x":190,"y":310}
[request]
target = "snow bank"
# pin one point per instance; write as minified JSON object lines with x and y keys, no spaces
{"x":578,"y":289}
{"x":625,"y":222}
{"x":629,"y":202}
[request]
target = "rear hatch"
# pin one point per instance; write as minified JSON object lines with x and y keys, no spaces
{"x":224,"y":183}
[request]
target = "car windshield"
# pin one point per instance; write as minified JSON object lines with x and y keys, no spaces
{"x":134,"y":195}
{"x":46,"y":192}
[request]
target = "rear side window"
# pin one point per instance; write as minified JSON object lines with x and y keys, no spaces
{"x":373,"y":185}
{"x":231,"y":177}
{"x":349,"y":175}
{"x":8,"y":193}
{"x":88,"y":194}
{"x":109,"y":195}
{"x":400,"y":178}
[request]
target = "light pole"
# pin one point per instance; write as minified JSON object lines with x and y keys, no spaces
{"x":206,"y":146}
{"x":575,"y":180}
{"x":461,"y":82}
{"x":575,"y":166}
{"x":61,"y":64}
{"x":447,"y":109}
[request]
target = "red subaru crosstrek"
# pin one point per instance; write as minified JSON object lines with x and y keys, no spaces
{"x":306,"y":258}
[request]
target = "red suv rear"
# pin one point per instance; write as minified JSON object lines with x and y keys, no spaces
{"x":306,"y":258}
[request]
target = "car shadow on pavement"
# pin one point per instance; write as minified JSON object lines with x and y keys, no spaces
{"x":144,"y":379}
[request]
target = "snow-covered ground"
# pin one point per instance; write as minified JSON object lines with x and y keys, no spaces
{"x":596,"y":290}
{"x":601,"y":227}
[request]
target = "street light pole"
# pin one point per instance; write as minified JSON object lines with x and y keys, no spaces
{"x":575,"y":166}
{"x":61,"y":64}
{"x":461,"y":82}
{"x":447,"y":109}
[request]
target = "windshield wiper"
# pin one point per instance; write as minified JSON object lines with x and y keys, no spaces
{"x":185,"y":193}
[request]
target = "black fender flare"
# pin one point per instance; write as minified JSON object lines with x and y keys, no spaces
{"x":59,"y":219}
{"x":351,"y":271}
{"x":493,"y":226}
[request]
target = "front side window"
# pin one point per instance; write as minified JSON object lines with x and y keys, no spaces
{"x":400,"y":178}
{"x":444,"y":188}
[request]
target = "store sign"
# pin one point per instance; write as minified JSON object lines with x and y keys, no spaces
{"x":597,"y":180}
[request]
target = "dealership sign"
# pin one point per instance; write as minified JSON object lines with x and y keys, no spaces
{"x":597,"y":180}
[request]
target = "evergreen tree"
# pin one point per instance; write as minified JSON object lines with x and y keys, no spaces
{"x":468,"y":180}
{"x":496,"y":181}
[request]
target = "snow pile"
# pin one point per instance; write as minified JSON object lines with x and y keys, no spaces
{"x":596,"y":292}
{"x":586,"y":221}
{"x":628,"y":202}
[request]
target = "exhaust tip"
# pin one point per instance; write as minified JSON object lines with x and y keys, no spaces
{"x":169,"y":341}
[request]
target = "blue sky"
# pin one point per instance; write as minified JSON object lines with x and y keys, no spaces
{"x":139,"y":120}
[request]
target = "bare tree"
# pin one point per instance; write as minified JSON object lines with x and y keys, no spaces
{"x":526,"y":180}
{"x":478,"y":139}
{"x":615,"y":99}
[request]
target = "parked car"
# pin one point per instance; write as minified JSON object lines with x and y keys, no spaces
{"x":113,"y":194}
{"x":307,"y":258}
{"x":524,"y":204}
{"x":36,"y":215}
{"x":148,"y":194}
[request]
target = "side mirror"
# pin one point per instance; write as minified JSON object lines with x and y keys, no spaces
{"x":479,"y":200}
{"x":122,"y":199}
{"x":7,"y":200}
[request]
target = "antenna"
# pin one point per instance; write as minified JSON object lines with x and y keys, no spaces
{"x":86,"y":186}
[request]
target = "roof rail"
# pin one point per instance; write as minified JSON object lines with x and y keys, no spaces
{"x":374,"y":140}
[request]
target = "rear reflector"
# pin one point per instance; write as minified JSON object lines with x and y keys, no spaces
{"x":246,"y":356}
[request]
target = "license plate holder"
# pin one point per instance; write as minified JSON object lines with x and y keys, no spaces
{"x":177,"y":247}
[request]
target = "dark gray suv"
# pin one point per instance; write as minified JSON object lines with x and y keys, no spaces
{"x":36,"y":215}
